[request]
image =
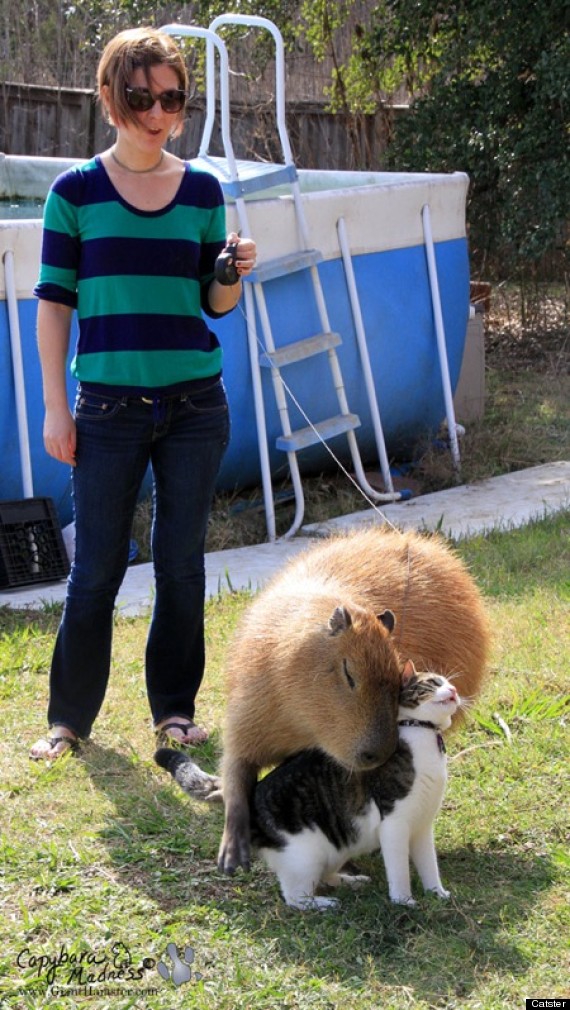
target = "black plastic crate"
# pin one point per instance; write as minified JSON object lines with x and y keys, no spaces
{"x":31,"y":545}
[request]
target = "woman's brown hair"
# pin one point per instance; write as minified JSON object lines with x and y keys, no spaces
{"x":128,"y":51}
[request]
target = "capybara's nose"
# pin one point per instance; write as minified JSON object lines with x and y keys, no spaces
{"x":373,"y":757}
{"x":369,"y":758}
{"x":376,"y":752}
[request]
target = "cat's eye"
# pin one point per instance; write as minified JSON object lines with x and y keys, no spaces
{"x":350,"y":680}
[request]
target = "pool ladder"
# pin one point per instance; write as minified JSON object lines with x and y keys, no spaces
{"x":239,"y":180}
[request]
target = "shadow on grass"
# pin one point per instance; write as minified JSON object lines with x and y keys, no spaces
{"x":153,"y":834}
{"x":164,"y":845}
{"x":436,"y":949}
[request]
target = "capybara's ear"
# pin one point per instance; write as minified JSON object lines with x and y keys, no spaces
{"x":408,"y":672}
{"x":339,"y":621}
{"x":388,"y":620}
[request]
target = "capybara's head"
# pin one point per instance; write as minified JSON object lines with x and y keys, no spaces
{"x":355,"y":689}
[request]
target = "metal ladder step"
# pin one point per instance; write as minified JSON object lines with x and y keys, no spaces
{"x":299,"y":350}
{"x":257,"y":181}
{"x":284,"y":265}
{"x":323,"y":430}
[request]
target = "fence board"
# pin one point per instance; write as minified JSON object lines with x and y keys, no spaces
{"x":66,"y":122}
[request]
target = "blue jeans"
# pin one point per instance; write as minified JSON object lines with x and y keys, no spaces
{"x":183,"y":438}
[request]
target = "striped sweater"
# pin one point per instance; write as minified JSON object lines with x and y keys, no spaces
{"x":138,"y":279}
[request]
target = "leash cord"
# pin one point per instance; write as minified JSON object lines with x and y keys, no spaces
{"x":306,"y":418}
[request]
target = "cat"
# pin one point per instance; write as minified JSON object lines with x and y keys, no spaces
{"x":310,"y":815}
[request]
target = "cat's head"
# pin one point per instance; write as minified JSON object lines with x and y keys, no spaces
{"x":429,"y":697}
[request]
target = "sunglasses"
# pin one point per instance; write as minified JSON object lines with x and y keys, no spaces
{"x":141,"y":100}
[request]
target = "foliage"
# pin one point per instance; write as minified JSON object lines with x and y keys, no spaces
{"x":58,"y":42}
{"x":494,"y":103}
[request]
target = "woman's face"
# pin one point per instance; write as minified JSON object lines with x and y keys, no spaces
{"x":153,"y":127}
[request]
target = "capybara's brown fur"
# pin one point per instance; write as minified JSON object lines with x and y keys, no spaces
{"x":441,"y":623}
{"x":312,"y":666}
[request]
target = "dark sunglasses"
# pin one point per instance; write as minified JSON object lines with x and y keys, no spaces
{"x":141,"y":100}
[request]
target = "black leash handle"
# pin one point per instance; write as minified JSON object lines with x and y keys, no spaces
{"x":225,"y":270}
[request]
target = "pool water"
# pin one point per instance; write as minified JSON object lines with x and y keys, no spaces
{"x":21,"y":209}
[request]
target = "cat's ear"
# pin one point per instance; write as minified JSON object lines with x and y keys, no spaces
{"x":408,"y":672}
{"x":388,"y":620}
{"x":340,"y":620}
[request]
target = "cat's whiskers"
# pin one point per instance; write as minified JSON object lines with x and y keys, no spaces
{"x":467,"y":703}
{"x":452,"y":676}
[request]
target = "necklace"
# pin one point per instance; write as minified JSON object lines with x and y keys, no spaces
{"x":136,"y":171}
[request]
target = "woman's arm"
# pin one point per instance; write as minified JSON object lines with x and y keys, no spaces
{"x":54,"y":323}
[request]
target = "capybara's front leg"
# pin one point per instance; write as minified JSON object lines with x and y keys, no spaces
{"x":238,"y":785}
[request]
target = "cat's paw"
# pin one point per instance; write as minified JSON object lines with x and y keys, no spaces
{"x":314,"y":904}
{"x":403,"y":900}
{"x":440,"y":892}
{"x":349,"y":879}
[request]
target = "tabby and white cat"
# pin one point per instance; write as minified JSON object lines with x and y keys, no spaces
{"x":310,"y":815}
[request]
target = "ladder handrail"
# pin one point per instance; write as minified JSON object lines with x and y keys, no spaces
{"x":256,"y":21}
{"x":364,"y":356}
{"x":210,"y":100}
{"x":440,"y":336}
{"x":212,"y":40}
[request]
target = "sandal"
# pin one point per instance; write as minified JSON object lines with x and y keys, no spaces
{"x":166,"y":739}
{"x":45,"y":745}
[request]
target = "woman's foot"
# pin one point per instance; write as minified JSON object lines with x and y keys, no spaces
{"x":181,"y":731}
{"x":59,"y":742}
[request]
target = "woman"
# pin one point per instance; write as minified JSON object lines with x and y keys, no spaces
{"x":130,"y":242}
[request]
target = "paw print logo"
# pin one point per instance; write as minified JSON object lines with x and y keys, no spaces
{"x":179,"y":971}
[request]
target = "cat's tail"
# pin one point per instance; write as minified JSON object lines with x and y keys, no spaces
{"x":189,"y":775}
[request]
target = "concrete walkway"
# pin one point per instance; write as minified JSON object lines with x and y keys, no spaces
{"x":502,"y":502}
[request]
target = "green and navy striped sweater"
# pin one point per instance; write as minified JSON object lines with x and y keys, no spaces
{"x":138,"y":279}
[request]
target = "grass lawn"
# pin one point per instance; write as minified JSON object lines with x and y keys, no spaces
{"x":105,"y":863}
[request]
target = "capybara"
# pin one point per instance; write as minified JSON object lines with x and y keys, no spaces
{"x":309,"y":815}
{"x":311,"y":665}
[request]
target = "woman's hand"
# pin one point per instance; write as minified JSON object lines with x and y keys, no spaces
{"x":60,"y":434}
{"x":224,"y":297}
{"x":54,"y":321}
{"x":246,"y":253}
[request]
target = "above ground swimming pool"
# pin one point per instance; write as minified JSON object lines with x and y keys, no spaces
{"x":382,"y":221}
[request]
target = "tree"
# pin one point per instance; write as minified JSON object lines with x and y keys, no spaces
{"x":490,"y":95}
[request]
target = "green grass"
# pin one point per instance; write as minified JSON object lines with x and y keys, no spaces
{"x":102,"y":857}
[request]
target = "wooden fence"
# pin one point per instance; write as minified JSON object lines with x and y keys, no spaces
{"x":66,"y":122}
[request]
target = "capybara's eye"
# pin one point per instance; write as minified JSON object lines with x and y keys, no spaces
{"x":351,"y":681}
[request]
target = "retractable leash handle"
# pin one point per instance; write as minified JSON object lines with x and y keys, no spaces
{"x":225,"y":270}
